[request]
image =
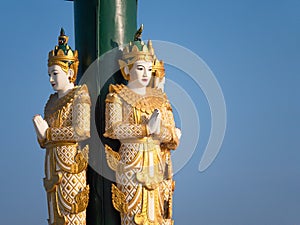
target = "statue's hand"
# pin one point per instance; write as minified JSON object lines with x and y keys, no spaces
{"x":154,"y":122}
{"x":161,"y":84}
{"x":178,"y":132}
{"x":40,"y":126}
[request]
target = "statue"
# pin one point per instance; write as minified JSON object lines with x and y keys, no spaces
{"x":141,"y":118}
{"x":66,"y":122}
{"x":168,"y":184}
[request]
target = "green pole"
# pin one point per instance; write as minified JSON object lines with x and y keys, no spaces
{"x":101,"y":23}
{"x":99,"y":26}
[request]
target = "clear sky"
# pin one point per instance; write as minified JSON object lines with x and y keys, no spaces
{"x":253,"y":49}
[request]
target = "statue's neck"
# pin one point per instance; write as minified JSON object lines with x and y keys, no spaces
{"x":65,"y":91}
{"x":137,"y":90}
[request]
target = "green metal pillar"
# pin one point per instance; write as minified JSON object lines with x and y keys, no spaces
{"x":99,"y":26}
{"x":101,"y":23}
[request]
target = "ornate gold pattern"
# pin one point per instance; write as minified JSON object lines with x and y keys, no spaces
{"x":81,"y":160}
{"x":118,"y":199}
{"x":65,"y":163}
{"x":142,"y":189}
{"x":112,"y":158}
{"x":81,"y":200}
{"x":154,"y":99}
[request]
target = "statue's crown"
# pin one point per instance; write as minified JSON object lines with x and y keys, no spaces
{"x":62,"y":52}
{"x":64,"y":56}
{"x":138,"y":50}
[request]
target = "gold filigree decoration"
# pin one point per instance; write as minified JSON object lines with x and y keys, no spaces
{"x":81,"y":161}
{"x":81,"y":200}
{"x":55,"y":104}
{"x":112,"y":158}
{"x":154,"y":98}
{"x":134,"y":202}
{"x":119,"y":199}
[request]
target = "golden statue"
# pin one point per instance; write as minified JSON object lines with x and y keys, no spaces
{"x":141,"y":118}
{"x":168,"y":184}
{"x":66,"y":122}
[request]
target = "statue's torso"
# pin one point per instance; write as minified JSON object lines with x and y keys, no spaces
{"x":140,"y":170}
{"x":64,"y":159}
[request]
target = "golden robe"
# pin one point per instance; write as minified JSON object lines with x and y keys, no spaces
{"x":68,"y":118}
{"x":143,"y":195}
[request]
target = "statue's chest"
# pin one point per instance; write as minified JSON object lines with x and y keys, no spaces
{"x":135,"y":115}
{"x":61,"y":117}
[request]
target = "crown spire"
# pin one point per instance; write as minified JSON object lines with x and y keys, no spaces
{"x":62,"y":32}
{"x":63,"y":55}
{"x":138,"y":33}
{"x":62,"y":38}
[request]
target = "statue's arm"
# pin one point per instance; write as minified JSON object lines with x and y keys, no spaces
{"x":116,"y":127}
{"x":81,"y":115}
{"x":168,"y":135}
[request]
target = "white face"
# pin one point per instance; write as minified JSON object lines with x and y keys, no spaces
{"x":59,"y":80}
{"x":140,"y":73}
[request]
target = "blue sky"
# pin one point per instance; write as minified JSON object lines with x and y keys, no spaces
{"x":253,"y":49}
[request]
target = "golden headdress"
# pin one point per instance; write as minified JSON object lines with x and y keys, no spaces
{"x":158,"y":68}
{"x":64,"y":56}
{"x":136,"y":50}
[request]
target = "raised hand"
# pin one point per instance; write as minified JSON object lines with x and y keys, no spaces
{"x":154,"y":122}
{"x":40,"y":126}
{"x":178,"y":132}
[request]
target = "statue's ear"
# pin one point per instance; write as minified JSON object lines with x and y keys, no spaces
{"x":70,"y":74}
{"x":126,"y":70}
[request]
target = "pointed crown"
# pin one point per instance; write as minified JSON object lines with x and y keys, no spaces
{"x":136,"y":50}
{"x":63,"y":55}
